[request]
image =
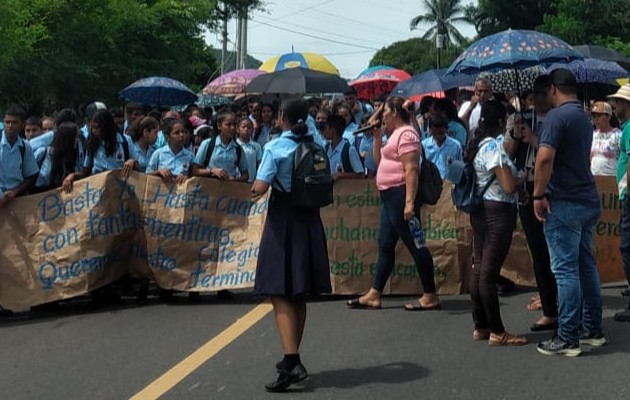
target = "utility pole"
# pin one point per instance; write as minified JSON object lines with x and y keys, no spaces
{"x":239,"y":34}
{"x":224,"y":33}
{"x":244,"y":39}
{"x":439,"y":44}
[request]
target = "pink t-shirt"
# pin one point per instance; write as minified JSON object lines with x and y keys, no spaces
{"x":390,"y":171}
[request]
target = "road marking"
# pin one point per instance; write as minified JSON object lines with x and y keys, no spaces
{"x":180,"y":371}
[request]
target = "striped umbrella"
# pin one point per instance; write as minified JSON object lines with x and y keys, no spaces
{"x":303,"y":60}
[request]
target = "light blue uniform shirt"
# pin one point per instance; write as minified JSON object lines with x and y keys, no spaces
{"x":164,"y":158}
{"x":161,"y":140}
{"x":252,"y":151}
{"x":367,"y":145}
{"x":457,"y":132}
{"x":43,"y":179}
{"x":347,"y":134}
{"x":312,"y":130}
{"x":13,"y":168}
{"x":143,"y":158}
{"x":223,"y":156}
{"x":102,"y":162}
{"x":42,"y":141}
{"x":40,"y":152}
{"x":263,"y":138}
{"x":85,"y":130}
{"x":277,"y":161}
{"x":440,"y":156}
{"x":336,"y":163}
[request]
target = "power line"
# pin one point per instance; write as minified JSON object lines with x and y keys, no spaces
{"x":362,"y":23}
{"x":337,"y":34}
{"x":319,"y":37}
{"x":256,"y":25}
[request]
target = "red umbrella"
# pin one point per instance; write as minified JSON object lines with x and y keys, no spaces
{"x":376,"y":83}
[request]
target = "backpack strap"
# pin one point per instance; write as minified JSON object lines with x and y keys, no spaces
{"x":239,"y":153}
{"x":209,"y":151}
{"x":125,"y":146}
{"x":345,"y":157}
{"x":485,"y":188}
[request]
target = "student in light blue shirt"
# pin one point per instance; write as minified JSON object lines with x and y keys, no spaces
{"x":18,"y":169}
{"x":316,"y":126}
{"x":144,"y":136}
{"x":172,"y":162}
{"x":42,"y":142}
{"x":292,"y":257}
{"x":440,"y":148}
{"x":106,"y":150}
{"x":267,"y":116}
{"x":345,"y":112}
{"x":226,"y":160}
{"x":456,"y":128}
{"x":345,"y":162}
{"x":251,"y":149}
{"x":62,"y":158}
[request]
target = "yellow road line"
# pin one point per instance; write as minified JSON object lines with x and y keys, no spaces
{"x":180,"y":371}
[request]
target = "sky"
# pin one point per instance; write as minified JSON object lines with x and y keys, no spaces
{"x":346,"y":32}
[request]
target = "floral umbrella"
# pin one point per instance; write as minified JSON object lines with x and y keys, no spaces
{"x":515,"y":49}
{"x":232,"y":83}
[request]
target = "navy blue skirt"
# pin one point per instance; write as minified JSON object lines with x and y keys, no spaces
{"x":293,"y":256}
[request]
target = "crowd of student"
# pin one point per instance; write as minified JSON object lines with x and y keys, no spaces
{"x":533,"y":157}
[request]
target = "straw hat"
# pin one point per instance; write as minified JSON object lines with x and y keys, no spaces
{"x":623,"y":93}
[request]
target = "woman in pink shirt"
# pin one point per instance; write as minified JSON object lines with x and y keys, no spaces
{"x":398,"y":164}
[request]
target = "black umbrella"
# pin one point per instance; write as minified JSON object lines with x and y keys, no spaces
{"x":297,"y":81}
{"x":603,"y":53}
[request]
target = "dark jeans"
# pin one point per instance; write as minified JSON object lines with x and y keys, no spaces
{"x":392,"y":227}
{"x":493,"y":225}
{"x":540,"y":256}
{"x":625,"y":237}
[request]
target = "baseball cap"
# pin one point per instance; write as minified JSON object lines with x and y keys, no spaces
{"x":601,"y":107}
{"x":93,"y":107}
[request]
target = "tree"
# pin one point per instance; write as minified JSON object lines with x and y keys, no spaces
{"x":67,"y":53}
{"x":442,"y":16}
{"x":588,"y":21}
{"x":412,"y":55}
{"x":492,"y":16}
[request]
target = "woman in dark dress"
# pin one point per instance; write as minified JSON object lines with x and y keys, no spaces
{"x":293,"y":257}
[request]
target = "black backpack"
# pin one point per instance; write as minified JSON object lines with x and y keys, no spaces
{"x":464,"y":193}
{"x":345,"y":156}
{"x":429,"y":182}
{"x":311,"y":181}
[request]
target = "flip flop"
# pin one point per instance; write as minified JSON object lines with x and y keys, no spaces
{"x":420,"y":307}
{"x":356,"y":304}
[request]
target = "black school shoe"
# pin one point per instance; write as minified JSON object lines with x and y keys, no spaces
{"x":286,"y":379}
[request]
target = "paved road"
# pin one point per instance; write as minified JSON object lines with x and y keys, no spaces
{"x":351,"y":354}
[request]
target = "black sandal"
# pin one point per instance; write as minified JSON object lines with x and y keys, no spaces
{"x":356,"y":304}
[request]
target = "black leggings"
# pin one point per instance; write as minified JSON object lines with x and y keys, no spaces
{"x":493,"y":225}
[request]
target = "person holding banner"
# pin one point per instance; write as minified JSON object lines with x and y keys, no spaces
{"x":144,"y":134}
{"x":293,"y":255}
{"x":171,"y":162}
{"x":107,"y":149}
{"x":64,"y":157}
{"x":398,"y":164}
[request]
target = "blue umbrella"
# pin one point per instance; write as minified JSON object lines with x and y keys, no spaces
{"x":159,"y":91}
{"x":431,"y":81}
{"x":513,"y":49}
{"x":590,"y":70}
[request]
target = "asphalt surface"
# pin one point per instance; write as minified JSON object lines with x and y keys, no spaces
{"x":113,"y":353}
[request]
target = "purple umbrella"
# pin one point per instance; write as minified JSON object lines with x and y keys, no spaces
{"x":233,"y":83}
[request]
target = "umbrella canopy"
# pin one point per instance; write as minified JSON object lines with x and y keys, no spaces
{"x":431,"y":81}
{"x":209,"y":100}
{"x":298,"y":81}
{"x":374,"y":68}
{"x":591,"y":70}
{"x":603,"y":53}
{"x":513,"y":49}
{"x":302,"y":60}
{"x":378,"y":82}
{"x":233,"y":83}
{"x":159,"y":91}
{"x":510,"y":80}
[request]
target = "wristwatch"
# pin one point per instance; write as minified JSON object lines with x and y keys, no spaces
{"x":539,"y":197}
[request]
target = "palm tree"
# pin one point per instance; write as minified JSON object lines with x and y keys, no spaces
{"x":442,"y":16}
